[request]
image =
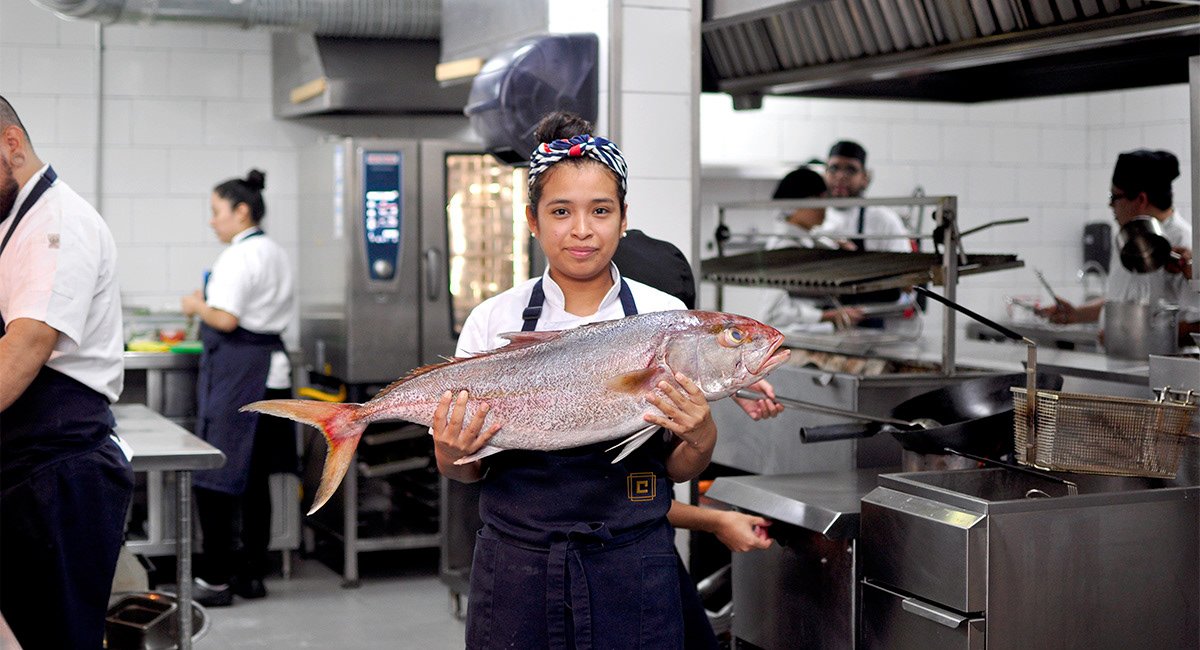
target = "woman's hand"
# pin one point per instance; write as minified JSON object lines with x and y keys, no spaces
{"x":193,"y":303}
{"x":452,"y":441}
{"x":1061,"y":312}
{"x":760,"y":409}
{"x":685,"y":413}
{"x":741,"y":532}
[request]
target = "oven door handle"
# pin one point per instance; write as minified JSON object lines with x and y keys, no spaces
{"x":935,"y":614}
{"x":433,"y":263}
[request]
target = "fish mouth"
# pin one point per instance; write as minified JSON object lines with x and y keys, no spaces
{"x":774,"y":358}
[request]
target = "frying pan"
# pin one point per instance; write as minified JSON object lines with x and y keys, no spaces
{"x":1143,"y":247}
{"x":976,"y":417}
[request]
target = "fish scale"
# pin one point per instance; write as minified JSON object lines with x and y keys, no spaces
{"x":555,"y":390}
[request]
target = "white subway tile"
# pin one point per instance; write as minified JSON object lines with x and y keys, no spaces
{"x":58,"y":71}
{"x":1063,"y":144}
{"x":1105,"y":109}
{"x":664,"y":4}
{"x":280,"y":166}
{"x":891,"y":180}
{"x":154,"y":36}
{"x":655,"y":52}
{"x":993,"y":184}
{"x":950,"y":177}
{"x":75,"y":165}
{"x":1118,"y":140}
{"x":256,"y":76}
{"x":140,"y":268}
{"x":231,"y":38}
{"x":81,"y":31}
{"x":25,"y":23}
{"x":40,"y":116}
{"x":662,"y":208}
{"x":77,"y":120}
{"x":168,"y":122}
{"x":134,"y":171}
{"x":243,"y":123}
{"x":1042,"y":110}
{"x":1142,"y":105}
{"x":914,"y":142}
{"x":118,"y":122}
{"x":803,"y":140}
{"x":873,"y":134}
{"x":10,"y":68}
{"x":657,"y":134}
{"x":139,"y":73}
{"x":118,"y":214}
{"x":1015,"y":143}
{"x":966,"y":144}
{"x":1172,"y":136}
{"x":195,"y":171}
{"x":168,"y":220}
{"x":836,"y":108}
{"x":1174,"y":99}
{"x":940,"y":112}
{"x":282,"y":220}
{"x":894,"y":111}
{"x":1075,"y":110}
{"x":991,"y":113}
{"x":204,"y":74}
{"x":776,"y":106}
{"x":1042,"y":185}
{"x":186,"y":266}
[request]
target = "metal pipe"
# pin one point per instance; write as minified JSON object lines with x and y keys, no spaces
{"x":418,"y":19}
{"x":947,"y":213}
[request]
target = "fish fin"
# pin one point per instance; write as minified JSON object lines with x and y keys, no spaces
{"x":634,"y":441}
{"x":339,"y":424}
{"x":634,"y":382}
{"x":487,"y":450}
{"x":517,"y":340}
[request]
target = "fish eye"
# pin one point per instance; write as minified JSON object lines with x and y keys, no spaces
{"x":731,"y":337}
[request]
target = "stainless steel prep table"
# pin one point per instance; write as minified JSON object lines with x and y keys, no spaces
{"x":161,"y":445}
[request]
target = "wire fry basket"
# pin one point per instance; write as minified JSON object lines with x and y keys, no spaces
{"x":1098,"y":434}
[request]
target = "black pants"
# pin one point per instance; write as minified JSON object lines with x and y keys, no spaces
{"x":237,"y":528}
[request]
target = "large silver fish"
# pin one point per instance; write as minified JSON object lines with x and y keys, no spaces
{"x":554,"y":390}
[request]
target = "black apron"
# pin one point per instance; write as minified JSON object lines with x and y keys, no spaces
{"x":64,"y":489}
{"x":576,"y":552}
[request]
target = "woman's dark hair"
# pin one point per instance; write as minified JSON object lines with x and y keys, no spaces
{"x":561,"y":125}
{"x":246,"y":190}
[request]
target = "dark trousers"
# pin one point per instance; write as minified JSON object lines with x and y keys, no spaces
{"x":237,"y":527}
{"x":60,"y":532}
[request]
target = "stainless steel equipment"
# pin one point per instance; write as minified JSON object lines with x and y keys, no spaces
{"x":1134,"y":330}
{"x":954,"y":559}
{"x":399,"y":240}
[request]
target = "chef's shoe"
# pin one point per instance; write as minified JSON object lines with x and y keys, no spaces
{"x":211,"y":595}
{"x":249,"y":588}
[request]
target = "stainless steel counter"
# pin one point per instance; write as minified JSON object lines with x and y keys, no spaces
{"x":161,"y":445}
{"x":161,"y":361}
{"x":824,"y":502}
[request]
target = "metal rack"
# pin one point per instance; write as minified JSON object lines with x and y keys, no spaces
{"x":781,"y":268}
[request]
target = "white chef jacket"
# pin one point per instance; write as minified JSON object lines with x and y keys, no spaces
{"x":60,"y":268}
{"x":252,"y":280}
{"x":877,"y":220}
{"x":1151,"y":288}
{"x":501,"y":313}
{"x":787,"y":313}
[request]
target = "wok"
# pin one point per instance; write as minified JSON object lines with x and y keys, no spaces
{"x":976,"y":417}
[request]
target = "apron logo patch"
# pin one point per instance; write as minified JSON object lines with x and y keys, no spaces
{"x":52,"y":238}
{"x":642,"y":486}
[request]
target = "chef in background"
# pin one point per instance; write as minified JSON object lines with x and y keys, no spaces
{"x":246,"y":303}
{"x":1141,"y":186}
{"x":65,"y":479}
{"x":846,"y":176}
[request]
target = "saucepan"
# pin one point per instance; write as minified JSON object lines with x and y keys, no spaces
{"x":1143,"y":247}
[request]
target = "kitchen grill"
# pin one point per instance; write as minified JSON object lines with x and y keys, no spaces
{"x":1099,"y":434}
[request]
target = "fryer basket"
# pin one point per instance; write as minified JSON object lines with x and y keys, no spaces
{"x":1099,"y":434}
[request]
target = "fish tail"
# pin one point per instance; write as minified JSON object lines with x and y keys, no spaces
{"x":339,"y":424}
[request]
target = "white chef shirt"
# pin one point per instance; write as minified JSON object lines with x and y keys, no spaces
{"x":501,"y":313}
{"x":877,"y":220}
{"x":793,"y":314}
{"x":1150,"y":288}
{"x":60,"y":268}
{"x":252,"y":280}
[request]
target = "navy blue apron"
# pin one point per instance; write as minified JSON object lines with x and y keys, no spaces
{"x":575,"y":551}
{"x":233,"y":372}
{"x":64,"y":490}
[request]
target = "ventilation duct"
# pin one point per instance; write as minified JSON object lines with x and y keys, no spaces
{"x":414,"y":19}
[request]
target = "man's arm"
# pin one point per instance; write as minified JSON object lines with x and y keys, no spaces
{"x":24,"y":349}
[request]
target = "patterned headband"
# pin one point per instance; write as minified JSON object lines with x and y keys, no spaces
{"x":548,"y":153}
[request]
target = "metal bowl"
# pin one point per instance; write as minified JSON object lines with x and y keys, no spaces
{"x":1142,"y":246}
{"x":148,"y":620}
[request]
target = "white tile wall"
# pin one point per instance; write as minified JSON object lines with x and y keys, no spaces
{"x":1048,"y":159}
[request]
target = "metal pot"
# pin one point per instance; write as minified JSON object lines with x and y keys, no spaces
{"x":1142,"y":245}
{"x":1136,"y":331}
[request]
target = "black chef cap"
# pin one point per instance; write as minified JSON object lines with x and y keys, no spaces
{"x":1147,"y":171}
{"x":849,"y":149}
{"x":800,"y":183}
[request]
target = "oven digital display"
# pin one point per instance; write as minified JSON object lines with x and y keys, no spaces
{"x":383,"y":209}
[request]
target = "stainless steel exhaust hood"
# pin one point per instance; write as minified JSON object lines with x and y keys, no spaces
{"x":949,"y":50}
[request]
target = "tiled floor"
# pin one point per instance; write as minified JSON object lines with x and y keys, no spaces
{"x":397,"y":607}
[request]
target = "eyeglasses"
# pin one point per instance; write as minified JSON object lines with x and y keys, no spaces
{"x":848,"y":170}
{"x":1112,"y":198}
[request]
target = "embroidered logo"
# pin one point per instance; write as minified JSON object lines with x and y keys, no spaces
{"x":52,"y":237}
{"x":641,"y":486}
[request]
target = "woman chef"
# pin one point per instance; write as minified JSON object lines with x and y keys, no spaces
{"x":568,"y":556}
{"x":246,"y":303}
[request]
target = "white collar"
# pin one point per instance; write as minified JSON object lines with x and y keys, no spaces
{"x":26,"y":189}
{"x":244,"y":234}
{"x":555,"y":297}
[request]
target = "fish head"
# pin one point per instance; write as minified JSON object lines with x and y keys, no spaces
{"x":724,"y":353}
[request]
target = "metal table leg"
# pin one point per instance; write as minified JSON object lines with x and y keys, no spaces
{"x":183,"y":553}
{"x":350,"y":526}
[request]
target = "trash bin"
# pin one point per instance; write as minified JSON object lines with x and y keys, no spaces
{"x":148,"y":621}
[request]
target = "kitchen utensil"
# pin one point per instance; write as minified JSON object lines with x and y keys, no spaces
{"x":915,"y":423}
{"x":975,"y":417}
{"x":1098,"y":434}
{"x":1049,"y":289}
{"x":1143,"y":247}
{"x":1072,"y":487}
{"x":1135,"y":331}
